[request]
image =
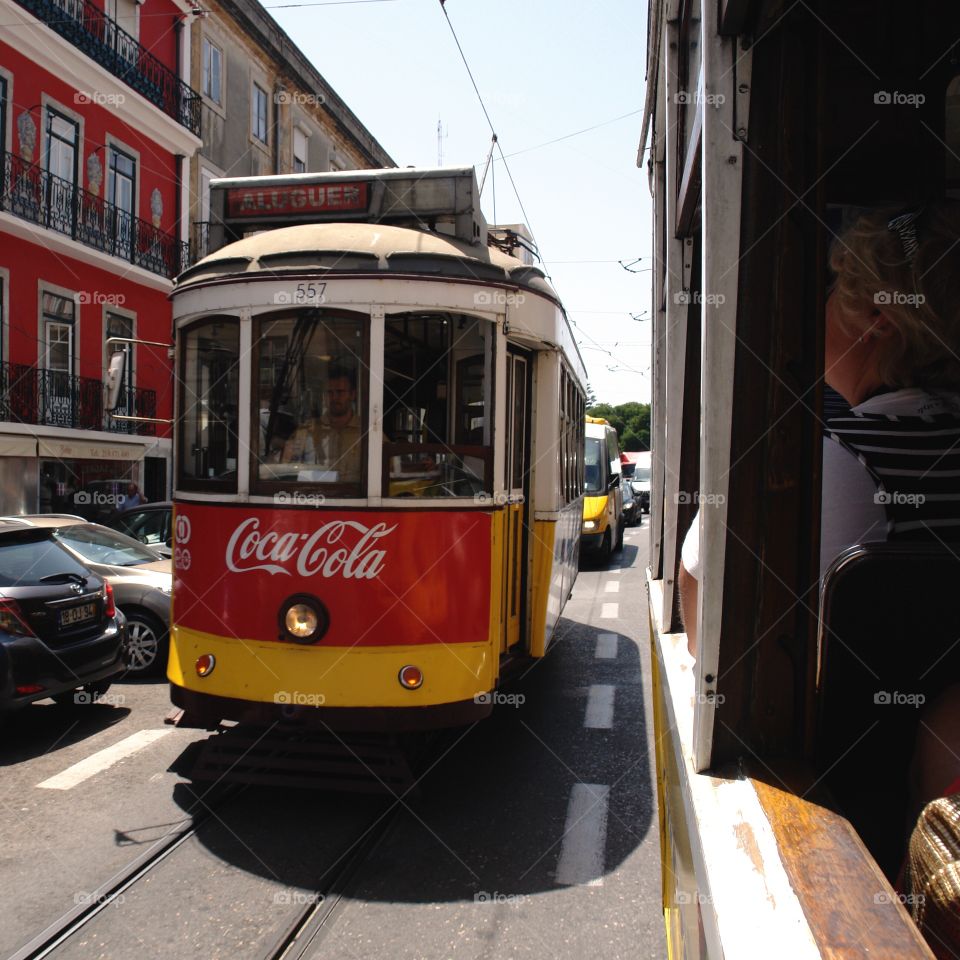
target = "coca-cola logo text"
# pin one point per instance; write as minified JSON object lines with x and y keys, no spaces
{"x":343,"y":548}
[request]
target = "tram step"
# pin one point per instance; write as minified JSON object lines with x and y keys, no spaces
{"x":360,"y":763}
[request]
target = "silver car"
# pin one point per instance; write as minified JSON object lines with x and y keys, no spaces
{"x":142,"y":582}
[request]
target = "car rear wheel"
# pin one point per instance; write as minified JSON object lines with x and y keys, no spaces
{"x":146,"y":643}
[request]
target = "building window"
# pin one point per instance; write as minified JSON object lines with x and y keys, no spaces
{"x":3,"y":115}
{"x":299,"y":151}
{"x":58,"y":356}
{"x":120,"y":326}
{"x":124,"y":14}
{"x":58,"y":318}
{"x":258,"y":113}
{"x":121,"y":190}
{"x":61,"y":147}
{"x":212,"y":60}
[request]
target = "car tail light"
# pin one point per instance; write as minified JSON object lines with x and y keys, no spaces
{"x":110,"y":608}
{"x":12,"y":621}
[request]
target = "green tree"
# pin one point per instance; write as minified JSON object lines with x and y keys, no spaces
{"x":630,"y":420}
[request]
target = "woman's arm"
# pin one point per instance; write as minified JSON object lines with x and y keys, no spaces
{"x":689,"y":589}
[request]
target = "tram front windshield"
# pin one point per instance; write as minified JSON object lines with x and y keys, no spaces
{"x":309,"y":401}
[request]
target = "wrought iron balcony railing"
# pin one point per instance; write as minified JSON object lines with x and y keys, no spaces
{"x":30,"y":192}
{"x":53,"y":398}
{"x":200,"y":240}
{"x":98,"y":36}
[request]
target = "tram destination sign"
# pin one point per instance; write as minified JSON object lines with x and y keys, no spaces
{"x":295,"y":201}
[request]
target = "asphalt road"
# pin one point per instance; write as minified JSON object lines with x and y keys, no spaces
{"x":533,"y":834}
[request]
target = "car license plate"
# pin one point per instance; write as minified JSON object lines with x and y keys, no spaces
{"x":79,"y":614}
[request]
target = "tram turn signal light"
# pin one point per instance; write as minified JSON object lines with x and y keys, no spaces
{"x":205,"y":665}
{"x":410,"y":677}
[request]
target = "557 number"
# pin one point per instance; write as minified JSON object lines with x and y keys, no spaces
{"x":310,"y":293}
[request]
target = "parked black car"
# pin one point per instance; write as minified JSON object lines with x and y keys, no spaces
{"x":631,"y":506}
{"x":60,"y":630}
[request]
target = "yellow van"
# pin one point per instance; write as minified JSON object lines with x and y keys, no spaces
{"x":603,"y":522}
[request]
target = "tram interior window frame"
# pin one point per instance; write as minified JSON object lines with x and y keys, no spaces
{"x":306,"y":426}
{"x":227,"y":481}
{"x":433,"y":446}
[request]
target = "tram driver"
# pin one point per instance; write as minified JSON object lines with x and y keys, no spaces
{"x":332,"y":440}
{"x":337,"y":433}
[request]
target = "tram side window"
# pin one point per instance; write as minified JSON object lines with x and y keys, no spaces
{"x":564,"y":438}
{"x":572,"y":413}
{"x":309,"y":400}
{"x":437,"y":405}
{"x":209,"y":401}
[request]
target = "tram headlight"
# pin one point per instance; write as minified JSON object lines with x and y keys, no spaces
{"x":589,"y":524}
{"x":303,"y":619}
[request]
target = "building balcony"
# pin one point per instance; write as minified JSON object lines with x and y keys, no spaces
{"x":31,"y":193}
{"x":53,"y":398}
{"x":94,"y":33}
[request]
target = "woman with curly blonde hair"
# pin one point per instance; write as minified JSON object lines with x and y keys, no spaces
{"x":892,"y":350}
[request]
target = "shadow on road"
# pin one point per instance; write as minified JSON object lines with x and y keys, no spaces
{"x":489,"y":815}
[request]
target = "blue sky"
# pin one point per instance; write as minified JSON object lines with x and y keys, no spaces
{"x":544,"y":70}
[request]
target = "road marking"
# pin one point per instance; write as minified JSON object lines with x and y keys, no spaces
{"x":613,"y":586}
{"x":599,"y":714}
{"x":606,"y":646}
{"x":582,"y":859}
{"x":103,"y":759}
{"x":610,"y":611}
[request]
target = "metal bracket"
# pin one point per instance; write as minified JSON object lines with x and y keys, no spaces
{"x":687,"y":263}
{"x":742,"y":80}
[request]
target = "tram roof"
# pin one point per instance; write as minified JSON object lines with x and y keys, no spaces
{"x":332,"y":248}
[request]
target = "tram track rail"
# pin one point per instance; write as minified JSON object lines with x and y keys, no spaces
{"x":305,"y":933}
{"x":71,"y":922}
{"x":299,"y":936}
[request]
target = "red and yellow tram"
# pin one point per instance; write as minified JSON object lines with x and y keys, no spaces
{"x":379,"y":454}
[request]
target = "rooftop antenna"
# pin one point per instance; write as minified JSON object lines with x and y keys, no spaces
{"x":441,"y":136}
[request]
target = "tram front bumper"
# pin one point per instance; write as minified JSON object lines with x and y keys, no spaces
{"x":205,"y":710}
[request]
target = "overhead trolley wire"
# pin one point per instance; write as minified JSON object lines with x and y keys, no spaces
{"x":486,"y":113}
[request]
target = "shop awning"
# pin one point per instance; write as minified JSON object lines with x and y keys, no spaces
{"x":89,"y":449}
{"x":17,"y":446}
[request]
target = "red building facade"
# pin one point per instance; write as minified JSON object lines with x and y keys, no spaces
{"x":97,"y":127}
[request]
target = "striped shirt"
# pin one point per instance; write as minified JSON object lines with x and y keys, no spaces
{"x":913,"y":460}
